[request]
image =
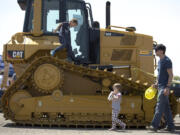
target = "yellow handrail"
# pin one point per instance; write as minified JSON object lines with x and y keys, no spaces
{"x":126,"y":28}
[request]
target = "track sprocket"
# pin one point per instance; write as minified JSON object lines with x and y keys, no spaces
{"x":47,"y":77}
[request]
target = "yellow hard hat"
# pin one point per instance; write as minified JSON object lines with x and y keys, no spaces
{"x":150,"y":93}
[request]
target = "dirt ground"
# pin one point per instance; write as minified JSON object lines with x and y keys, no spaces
{"x":8,"y":128}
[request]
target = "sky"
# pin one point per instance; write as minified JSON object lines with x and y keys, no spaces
{"x":158,"y":18}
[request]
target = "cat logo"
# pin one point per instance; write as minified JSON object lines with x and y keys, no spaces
{"x":16,"y":54}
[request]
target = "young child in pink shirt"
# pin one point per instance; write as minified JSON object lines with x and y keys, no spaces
{"x":115,"y":96}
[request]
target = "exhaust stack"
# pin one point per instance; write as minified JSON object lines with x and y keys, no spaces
{"x":108,"y":14}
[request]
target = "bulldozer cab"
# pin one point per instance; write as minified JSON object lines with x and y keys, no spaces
{"x":57,"y":11}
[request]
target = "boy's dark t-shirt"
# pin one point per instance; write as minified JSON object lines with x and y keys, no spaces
{"x":163,"y":76}
{"x":64,"y":38}
{"x":64,"y":33}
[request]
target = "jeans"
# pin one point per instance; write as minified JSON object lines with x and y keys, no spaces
{"x":63,"y":42}
{"x":162,"y":107}
{"x":53,"y":52}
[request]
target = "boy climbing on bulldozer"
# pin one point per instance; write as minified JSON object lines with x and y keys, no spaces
{"x":64,"y":37}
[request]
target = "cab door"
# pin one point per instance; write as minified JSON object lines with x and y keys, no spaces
{"x":79,"y":34}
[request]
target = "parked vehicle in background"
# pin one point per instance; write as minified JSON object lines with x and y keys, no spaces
{"x":11,"y":69}
{"x":11,"y":72}
{"x":1,"y":91}
{"x":176,"y":88}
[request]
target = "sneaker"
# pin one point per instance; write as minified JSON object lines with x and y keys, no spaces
{"x":172,"y":130}
{"x":152,"y":129}
{"x":112,"y":129}
{"x":51,"y":52}
{"x":124,"y":127}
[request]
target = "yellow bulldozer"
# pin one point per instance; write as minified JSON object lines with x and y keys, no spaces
{"x":52,"y":91}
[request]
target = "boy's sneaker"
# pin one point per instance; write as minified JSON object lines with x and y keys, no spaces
{"x":51,"y":52}
{"x":124,"y":127}
{"x":152,"y":129}
{"x":112,"y":129}
{"x":172,"y":130}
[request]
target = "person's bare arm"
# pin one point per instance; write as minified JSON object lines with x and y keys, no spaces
{"x":170,"y":73}
{"x":57,"y":29}
{"x":110,"y":97}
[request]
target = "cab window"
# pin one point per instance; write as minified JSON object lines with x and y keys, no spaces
{"x":50,"y":15}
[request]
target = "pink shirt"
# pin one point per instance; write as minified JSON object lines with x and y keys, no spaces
{"x":116,"y":100}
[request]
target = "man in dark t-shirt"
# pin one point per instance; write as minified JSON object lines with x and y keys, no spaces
{"x":64,"y":36}
{"x":163,"y":83}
